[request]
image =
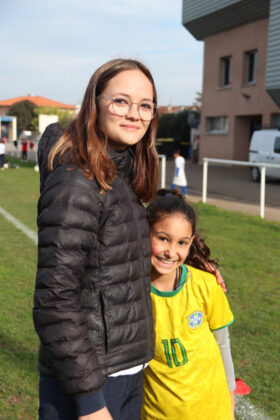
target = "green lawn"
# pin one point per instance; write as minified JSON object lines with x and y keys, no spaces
{"x":18,"y":348}
{"x":248,"y":251}
{"x":19,"y":190}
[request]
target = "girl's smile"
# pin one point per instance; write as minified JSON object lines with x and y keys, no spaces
{"x":164,"y":261}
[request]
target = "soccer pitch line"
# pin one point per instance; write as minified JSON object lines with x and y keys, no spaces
{"x":28,"y":232}
{"x":247,"y":411}
{"x":243,"y":407}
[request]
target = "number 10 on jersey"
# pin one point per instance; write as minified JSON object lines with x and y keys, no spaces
{"x":176,"y":347}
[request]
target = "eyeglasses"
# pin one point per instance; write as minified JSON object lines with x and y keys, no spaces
{"x":121,"y":106}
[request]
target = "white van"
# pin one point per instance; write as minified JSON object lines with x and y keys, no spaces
{"x":265,"y":148}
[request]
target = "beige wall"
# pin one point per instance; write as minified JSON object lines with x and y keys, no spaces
{"x":219,"y":101}
{"x":45,"y":120}
{"x":13,"y":129}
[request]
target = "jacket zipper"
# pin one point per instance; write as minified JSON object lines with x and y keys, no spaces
{"x":149,"y":312}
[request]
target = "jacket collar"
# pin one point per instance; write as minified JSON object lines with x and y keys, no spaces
{"x":123,"y":160}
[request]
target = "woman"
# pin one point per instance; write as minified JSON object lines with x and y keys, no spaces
{"x":92,"y":307}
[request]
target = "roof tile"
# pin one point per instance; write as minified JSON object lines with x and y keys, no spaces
{"x":37,"y":101}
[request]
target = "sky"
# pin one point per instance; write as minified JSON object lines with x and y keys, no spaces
{"x":52,"y":47}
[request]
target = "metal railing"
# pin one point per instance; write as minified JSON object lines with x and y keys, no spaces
{"x":13,"y":151}
{"x":262,"y":167}
{"x":163,"y":170}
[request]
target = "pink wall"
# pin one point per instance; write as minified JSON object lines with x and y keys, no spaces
{"x":219,"y":101}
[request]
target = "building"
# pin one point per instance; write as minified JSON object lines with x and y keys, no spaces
{"x":173,"y":109}
{"x":38,"y":101}
{"x":241,"y":74}
{"x":8,"y":123}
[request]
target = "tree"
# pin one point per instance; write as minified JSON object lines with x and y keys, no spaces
{"x":64,"y":116}
{"x":24,"y":111}
{"x":198,"y":100}
{"x":164,"y":125}
{"x":174,"y":125}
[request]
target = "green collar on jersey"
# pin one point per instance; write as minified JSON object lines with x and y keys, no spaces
{"x":183,"y":279}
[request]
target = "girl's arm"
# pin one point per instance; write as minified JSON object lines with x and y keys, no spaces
{"x":232,"y":403}
{"x":223,"y":341}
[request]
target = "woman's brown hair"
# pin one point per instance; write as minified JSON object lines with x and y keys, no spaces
{"x":85,"y":144}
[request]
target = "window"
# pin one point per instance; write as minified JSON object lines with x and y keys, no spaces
{"x":275,"y":120}
{"x":226,"y":71}
{"x":277,"y":145}
{"x":251,"y":59}
{"x":217,"y":124}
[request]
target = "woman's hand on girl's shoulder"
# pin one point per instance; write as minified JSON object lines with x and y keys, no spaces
{"x":102,"y":414}
{"x":220,"y":279}
{"x":218,"y":276}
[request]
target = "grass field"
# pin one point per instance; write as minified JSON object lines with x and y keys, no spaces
{"x":248,"y":251}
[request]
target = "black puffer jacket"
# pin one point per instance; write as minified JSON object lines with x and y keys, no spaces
{"x":92,"y":306}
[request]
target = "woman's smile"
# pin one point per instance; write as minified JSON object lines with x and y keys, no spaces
{"x":130,"y":127}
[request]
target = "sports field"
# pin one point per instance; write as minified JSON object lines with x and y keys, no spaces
{"x":248,"y":252}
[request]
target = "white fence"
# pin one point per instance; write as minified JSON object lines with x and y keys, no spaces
{"x":162,"y":158}
{"x":11,"y":150}
{"x":262,"y":167}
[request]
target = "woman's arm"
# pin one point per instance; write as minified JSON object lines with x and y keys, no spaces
{"x":67,"y":221}
{"x":220,"y":279}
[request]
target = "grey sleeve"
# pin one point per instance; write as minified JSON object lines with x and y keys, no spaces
{"x":223,"y":341}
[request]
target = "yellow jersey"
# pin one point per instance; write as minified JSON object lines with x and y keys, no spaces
{"x":186,"y":379}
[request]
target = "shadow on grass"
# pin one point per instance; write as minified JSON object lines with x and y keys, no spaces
{"x":16,"y":356}
{"x":19,"y":162}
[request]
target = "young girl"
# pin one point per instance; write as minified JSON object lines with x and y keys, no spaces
{"x":92,"y":307}
{"x":186,"y":379}
{"x":179,"y":178}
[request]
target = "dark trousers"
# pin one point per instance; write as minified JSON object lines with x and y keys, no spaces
{"x":123,"y":396}
{"x":2,"y":160}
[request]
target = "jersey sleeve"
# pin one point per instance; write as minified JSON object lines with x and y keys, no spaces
{"x":218,"y":311}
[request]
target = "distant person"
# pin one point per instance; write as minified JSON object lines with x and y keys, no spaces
{"x":191,"y":376}
{"x":2,"y":153}
{"x":179,"y":179}
{"x":31,"y":145}
{"x":24,"y":146}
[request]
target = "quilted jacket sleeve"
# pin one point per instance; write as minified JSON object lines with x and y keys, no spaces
{"x":68,"y":214}
{"x":50,"y":136}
